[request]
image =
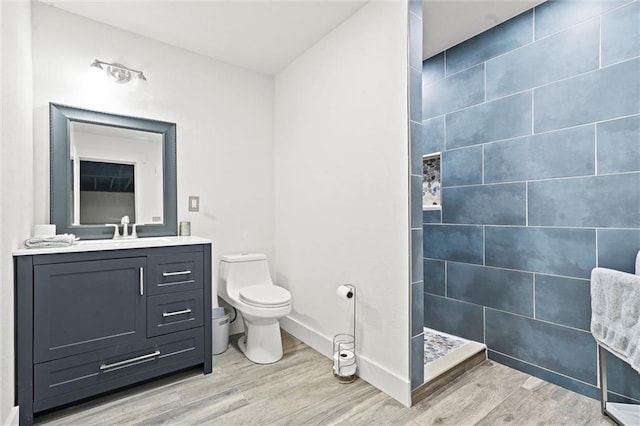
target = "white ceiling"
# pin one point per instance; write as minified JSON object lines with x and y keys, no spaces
{"x":266,"y":35}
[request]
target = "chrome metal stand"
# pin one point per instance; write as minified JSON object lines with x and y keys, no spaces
{"x":622,"y":414}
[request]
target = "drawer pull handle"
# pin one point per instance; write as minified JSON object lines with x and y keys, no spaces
{"x":170,"y":314}
{"x":173,"y":274}
{"x":129,"y":361}
{"x":141,"y":281}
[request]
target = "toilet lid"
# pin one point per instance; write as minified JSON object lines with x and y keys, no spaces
{"x":265,"y":295}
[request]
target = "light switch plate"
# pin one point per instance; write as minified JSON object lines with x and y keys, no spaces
{"x":194,"y":203}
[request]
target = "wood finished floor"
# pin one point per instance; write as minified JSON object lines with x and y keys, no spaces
{"x":300,"y":389}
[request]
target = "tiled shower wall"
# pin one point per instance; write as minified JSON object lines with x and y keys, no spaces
{"x":538,"y":123}
{"x":415,"y":201}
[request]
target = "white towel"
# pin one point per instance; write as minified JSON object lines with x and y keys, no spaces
{"x":62,"y":240}
{"x":638,"y":263}
{"x":615,"y":313}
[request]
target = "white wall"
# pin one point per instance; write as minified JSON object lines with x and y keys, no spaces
{"x":16,"y":176}
{"x":341,"y":162}
{"x":224,"y":117}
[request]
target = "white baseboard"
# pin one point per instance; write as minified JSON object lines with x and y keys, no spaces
{"x":368,"y":370}
{"x":12,"y":418}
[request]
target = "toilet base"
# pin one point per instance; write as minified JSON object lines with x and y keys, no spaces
{"x":262,"y":342}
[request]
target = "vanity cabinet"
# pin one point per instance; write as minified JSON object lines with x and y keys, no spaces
{"x":92,"y":322}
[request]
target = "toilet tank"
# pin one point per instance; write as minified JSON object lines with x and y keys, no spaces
{"x":241,"y":270}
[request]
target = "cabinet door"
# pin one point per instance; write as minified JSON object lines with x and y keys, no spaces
{"x":84,"y":306}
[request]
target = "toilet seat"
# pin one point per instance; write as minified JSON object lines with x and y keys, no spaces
{"x":265,"y":295}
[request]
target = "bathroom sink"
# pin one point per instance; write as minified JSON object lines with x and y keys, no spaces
{"x":123,"y":240}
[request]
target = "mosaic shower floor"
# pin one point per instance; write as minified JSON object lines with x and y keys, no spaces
{"x":438,"y":344}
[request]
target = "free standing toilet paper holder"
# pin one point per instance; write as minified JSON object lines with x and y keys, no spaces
{"x":344,"y":347}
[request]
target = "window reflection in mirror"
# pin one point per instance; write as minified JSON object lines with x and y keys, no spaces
{"x":116,"y":172}
{"x":107,"y":192}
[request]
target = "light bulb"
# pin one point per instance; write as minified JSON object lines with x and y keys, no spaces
{"x":138,"y":83}
{"x":95,"y":74}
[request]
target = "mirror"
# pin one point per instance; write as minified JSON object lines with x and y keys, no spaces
{"x":107,"y":166}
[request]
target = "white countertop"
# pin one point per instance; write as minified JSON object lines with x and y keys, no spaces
{"x":110,"y":244}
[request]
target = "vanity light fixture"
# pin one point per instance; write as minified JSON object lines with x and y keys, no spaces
{"x":118,"y":73}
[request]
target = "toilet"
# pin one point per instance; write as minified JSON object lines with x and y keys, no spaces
{"x":245,"y":283}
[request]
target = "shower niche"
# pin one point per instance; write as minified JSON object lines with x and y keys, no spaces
{"x":431,"y":182}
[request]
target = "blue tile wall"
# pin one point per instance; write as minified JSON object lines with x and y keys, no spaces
{"x":502,"y":204}
{"x":416,"y":148}
{"x":565,"y":301}
{"x":417,"y":361}
{"x":434,"y":276}
{"x":617,"y":249}
{"x":619,"y":145}
{"x":546,"y":345}
{"x":415,"y":41}
{"x":563,"y":153}
{"x":433,"y":69}
{"x":433,"y":135}
{"x":599,"y":95}
{"x":417,"y":309}
{"x":501,"y":119}
{"x":574,"y":51}
{"x":557,"y":251}
{"x":453,"y":317}
{"x":538,"y":123}
{"x":511,"y":291}
{"x":415,"y":95}
{"x":623,"y":379}
{"x":461,"y":90}
{"x":417,"y":274}
{"x":453,"y":242}
{"x":416,"y":207}
{"x":557,"y":15}
{"x":432,"y":216}
{"x":464,"y":166}
{"x":502,"y":38}
{"x":621,"y":34}
{"x":595,"y":201}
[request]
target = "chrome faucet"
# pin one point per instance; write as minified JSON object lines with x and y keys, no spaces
{"x":125,"y":229}
{"x":116,"y":233}
{"x":125,"y":226}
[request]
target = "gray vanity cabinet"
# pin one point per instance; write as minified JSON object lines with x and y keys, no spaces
{"x":92,"y":322}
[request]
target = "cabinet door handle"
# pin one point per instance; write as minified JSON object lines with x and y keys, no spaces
{"x":170,"y":314}
{"x":141,"y":281}
{"x":129,"y":361}
{"x":173,"y":274}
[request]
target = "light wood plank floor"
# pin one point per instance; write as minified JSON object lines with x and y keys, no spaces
{"x":300,"y":389}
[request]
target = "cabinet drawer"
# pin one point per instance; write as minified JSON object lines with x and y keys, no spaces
{"x":175,"y":272}
{"x":68,"y":379}
{"x":171,"y":312}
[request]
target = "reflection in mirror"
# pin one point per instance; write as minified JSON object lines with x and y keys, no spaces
{"x":107,"y":193}
{"x":107,"y":166}
{"x":116,"y":172}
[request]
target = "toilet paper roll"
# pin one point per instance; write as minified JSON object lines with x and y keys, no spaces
{"x":344,"y":292}
{"x":344,"y":363}
{"x":44,"y":230}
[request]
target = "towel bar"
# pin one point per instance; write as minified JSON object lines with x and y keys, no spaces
{"x":622,"y":414}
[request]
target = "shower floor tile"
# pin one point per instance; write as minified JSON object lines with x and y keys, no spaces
{"x":438,"y":344}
